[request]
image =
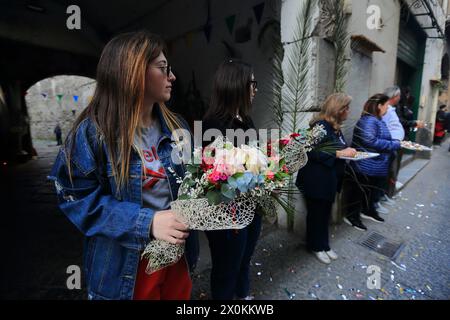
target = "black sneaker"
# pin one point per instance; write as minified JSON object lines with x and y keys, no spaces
{"x":374,"y":217}
{"x":357,"y":224}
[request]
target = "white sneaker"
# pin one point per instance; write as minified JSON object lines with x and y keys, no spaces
{"x":332,"y":255}
{"x":388,"y":201}
{"x":323,"y":257}
{"x":380,"y":209}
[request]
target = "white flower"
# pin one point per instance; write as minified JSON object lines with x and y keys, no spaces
{"x":257,"y":161}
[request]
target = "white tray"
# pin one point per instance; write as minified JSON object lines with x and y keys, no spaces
{"x":424,"y":148}
{"x":358,"y":158}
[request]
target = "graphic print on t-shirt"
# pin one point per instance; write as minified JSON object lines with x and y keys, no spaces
{"x":153,"y":169}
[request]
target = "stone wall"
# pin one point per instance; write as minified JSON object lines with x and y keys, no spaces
{"x":45,"y":109}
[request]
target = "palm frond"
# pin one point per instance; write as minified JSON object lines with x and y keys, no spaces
{"x":340,"y":39}
{"x":295,"y":99}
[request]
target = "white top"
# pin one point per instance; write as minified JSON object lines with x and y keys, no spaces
{"x":393,"y":123}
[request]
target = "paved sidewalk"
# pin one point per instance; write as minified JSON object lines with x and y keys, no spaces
{"x":39,"y":243}
{"x":283,"y":269}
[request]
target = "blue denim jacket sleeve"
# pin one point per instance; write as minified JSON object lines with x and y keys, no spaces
{"x":87,"y":200}
{"x":369,"y":132}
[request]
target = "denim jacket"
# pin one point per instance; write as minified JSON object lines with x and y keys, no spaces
{"x":115,"y":225}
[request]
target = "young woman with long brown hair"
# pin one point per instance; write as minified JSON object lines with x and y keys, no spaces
{"x":116,"y":176}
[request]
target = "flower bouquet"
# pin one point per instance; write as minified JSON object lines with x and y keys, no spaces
{"x":220,"y":190}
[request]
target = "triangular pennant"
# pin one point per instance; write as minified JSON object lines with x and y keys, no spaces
{"x":44,"y":95}
{"x":207,"y":30}
{"x":230,"y":23}
{"x":75,"y":98}
{"x":59,"y":96}
{"x":258,"y":10}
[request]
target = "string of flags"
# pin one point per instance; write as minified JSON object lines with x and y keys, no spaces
{"x":59,"y":97}
{"x":207,"y":28}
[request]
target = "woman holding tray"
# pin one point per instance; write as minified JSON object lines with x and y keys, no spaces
{"x":370,"y":135}
{"x":321,"y":178}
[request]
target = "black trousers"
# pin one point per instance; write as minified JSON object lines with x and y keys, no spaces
{"x":364,"y":191}
{"x":394,"y":168}
{"x":317,"y":222}
{"x":231,"y":252}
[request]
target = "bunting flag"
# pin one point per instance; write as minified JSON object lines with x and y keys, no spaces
{"x":44,"y":95}
{"x":230,"y":23}
{"x":59,"y":96}
{"x":258,"y":10}
{"x":75,"y":98}
{"x":207,"y":30}
{"x":188,"y":38}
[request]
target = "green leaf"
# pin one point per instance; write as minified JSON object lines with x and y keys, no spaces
{"x":238,"y":175}
{"x":213,"y":197}
{"x":183,"y":197}
{"x":192,"y":169}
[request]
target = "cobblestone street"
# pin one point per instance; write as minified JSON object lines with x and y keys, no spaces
{"x":39,"y":243}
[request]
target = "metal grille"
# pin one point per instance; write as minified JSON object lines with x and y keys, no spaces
{"x":380,"y":244}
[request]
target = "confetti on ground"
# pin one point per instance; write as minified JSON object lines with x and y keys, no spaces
{"x":258,"y":264}
{"x":317,"y":285}
{"x":392,"y":277}
{"x":259,"y":273}
{"x":408,"y":227}
{"x":290,"y":295}
{"x":412,"y":213}
{"x":312,"y":295}
{"x":401,"y":268}
{"x":359,"y":295}
{"x":420,"y":205}
{"x":339,"y":286}
{"x":344,"y":297}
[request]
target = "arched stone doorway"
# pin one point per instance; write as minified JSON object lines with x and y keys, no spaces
{"x":56,"y":100}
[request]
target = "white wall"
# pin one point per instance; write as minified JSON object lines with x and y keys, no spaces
{"x":383,"y":68}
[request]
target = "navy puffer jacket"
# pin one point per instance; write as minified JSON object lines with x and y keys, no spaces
{"x":372,"y":135}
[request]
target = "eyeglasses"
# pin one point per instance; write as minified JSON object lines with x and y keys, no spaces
{"x":254,"y":84}
{"x":166,"y":69}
